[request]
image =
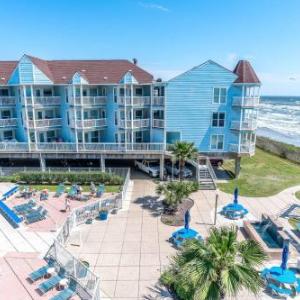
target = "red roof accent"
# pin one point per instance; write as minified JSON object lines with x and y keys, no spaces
{"x":6,"y":69}
{"x":95,"y":71}
{"x":245,"y":73}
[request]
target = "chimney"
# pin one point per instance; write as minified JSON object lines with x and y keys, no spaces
{"x":135,"y":61}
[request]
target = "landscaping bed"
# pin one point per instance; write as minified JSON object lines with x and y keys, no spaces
{"x":264,"y":174}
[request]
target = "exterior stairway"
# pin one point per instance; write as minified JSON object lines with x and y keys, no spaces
{"x":205,"y":173}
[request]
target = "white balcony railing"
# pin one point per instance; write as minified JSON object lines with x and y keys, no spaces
{"x":158,"y":123}
{"x":136,"y":100}
{"x":44,"y":123}
{"x":250,"y":102}
{"x":90,"y":123}
{"x":44,"y":101}
{"x":136,"y":123}
{"x":248,"y":148}
{"x":247,"y":124}
{"x":89,"y":100}
{"x":86,"y":147}
{"x":8,"y":122}
{"x":7,"y":101}
{"x":158,"y":100}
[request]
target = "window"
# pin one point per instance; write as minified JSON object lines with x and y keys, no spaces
{"x":8,"y":135}
{"x":32,"y":137}
{"x":220,"y":95}
{"x":93,"y":92}
{"x":94,"y":136}
{"x":39,"y":115}
{"x":47,"y":92}
{"x":217,"y":142}
{"x":138,"y":136}
{"x":38,"y":93}
{"x":51,"y":136}
{"x":116,"y":118}
{"x":116,"y":138}
{"x":103,"y":114}
{"x":3,"y":92}
{"x":6,"y":114}
{"x":218,"y":119}
{"x":172,"y":137}
{"x":138,"y":114}
{"x":94,"y":114}
{"x":139,"y":92}
{"x":115,"y":91}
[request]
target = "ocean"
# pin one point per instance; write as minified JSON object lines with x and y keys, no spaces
{"x":279,"y":119}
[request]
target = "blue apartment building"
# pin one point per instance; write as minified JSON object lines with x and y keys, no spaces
{"x":114,"y":108}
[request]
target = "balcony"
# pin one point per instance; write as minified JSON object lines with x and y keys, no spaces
{"x":89,"y":123}
{"x":136,"y":100}
{"x":136,"y":123}
{"x":44,"y":101}
{"x":89,"y":100}
{"x":11,"y":122}
{"x":158,"y":100}
{"x":248,"y":148}
{"x":158,"y":123}
{"x":247,"y":124}
{"x":7,"y":101}
{"x":246,"y":102}
{"x":44,"y":123}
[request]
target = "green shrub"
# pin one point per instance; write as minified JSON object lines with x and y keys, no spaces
{"x":69,"y":177}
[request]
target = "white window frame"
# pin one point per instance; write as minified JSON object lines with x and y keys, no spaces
{"x":212,"y":119}
{"x":211,"y":137}
{"x":213,"y":95}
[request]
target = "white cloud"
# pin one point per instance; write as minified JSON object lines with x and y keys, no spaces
{"x":154,"y":6}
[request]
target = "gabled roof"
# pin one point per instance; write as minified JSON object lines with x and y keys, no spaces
{"x":245,"y":73}
{"x":95,"y":71}
{"x":6,"y":69}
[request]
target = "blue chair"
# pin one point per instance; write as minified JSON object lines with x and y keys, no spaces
{"x":51,"y":283}
{"x":278,"y":290}
{"x":41,"y":272}
{"x":23,"y":207}
{"x":66,"y":293}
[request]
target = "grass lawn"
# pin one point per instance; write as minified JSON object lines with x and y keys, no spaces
{"x":86,"y":188}
{"x":262,"y":175}
{"x":298,"y":195}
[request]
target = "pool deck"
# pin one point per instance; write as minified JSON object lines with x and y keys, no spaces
{"x":128,"y":251}
{"x":131,"y":249}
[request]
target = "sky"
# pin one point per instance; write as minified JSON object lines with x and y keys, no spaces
{"x":167,"y":37}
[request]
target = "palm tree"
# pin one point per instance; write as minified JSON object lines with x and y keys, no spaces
{"x":218,"y":267}
{"x":182,"y":152}
{"x":175,"y":191}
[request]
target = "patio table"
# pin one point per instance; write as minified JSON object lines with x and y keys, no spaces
{"x":282,"y":276}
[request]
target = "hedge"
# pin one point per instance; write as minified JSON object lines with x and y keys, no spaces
{"x":69,"y":177}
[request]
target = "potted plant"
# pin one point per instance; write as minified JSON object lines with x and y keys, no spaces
{"x":103,"y":214}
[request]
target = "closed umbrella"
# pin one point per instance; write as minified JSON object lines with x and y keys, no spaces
{"x":235,"y":194}
{"x":285,"y":256}
{"x":187,"y":218}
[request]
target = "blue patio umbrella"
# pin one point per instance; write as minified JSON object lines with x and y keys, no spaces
{"x":187,"y":218}
{"x":235,"y":194}
{"x":285,"y":256}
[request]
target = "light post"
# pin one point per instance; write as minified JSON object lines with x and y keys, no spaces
{"x":216,"y":207}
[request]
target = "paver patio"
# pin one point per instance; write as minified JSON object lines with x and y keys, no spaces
{"x":131,"y":249}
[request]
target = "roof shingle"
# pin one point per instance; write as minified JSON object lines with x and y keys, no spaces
{"x":245,"y":73}
{"x":95,"y":71}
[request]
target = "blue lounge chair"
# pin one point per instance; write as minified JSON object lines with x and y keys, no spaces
{"x":66,"y":293}
{"x":278,"y":290}
{"x":22,"y":207}
{"x":36,"y":217}
{"x":41,"y":272}
{"x":51,"y":283}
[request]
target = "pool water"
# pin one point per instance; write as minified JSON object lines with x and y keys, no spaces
{"x":269,"y":234}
